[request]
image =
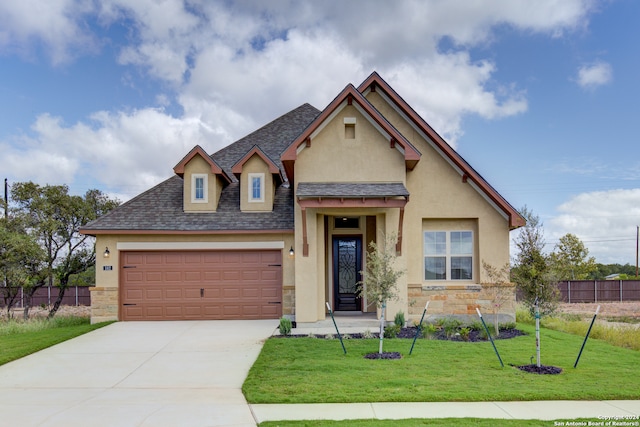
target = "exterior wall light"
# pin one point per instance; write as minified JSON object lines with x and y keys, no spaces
{"x":106,"y":253}
{"x":291,"y":252}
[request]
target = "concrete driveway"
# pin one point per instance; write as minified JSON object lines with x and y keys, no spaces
{"x":137,"y":374}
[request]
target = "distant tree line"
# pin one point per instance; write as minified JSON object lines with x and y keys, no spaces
{"x":537,"y":274}
{"x":41,"y":244}
{"x":626,"y":271}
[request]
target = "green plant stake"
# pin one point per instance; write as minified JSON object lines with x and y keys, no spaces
{"x":336,"y":326}
{"x":419,"y":327}
{"x":490,"y":339}
{"x":587,"y":336}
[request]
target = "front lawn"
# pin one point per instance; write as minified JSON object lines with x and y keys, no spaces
{"x":414,"y":422}
{"x":19,"y":339}
{"x":308,"y":370}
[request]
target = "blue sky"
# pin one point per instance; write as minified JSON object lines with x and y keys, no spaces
{"x":541,"y":97}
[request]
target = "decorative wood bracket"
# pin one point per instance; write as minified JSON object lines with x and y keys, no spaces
{"x":399,"y":242}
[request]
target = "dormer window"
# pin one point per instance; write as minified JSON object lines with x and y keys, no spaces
{"x":199,"y":188}
{"x":256,"y":187}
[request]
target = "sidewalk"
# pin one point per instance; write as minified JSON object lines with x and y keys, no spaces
{"x":622,"y":411}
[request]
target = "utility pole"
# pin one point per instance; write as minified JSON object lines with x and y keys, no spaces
{"x":6,"y":198}
{"x":637,"y":236}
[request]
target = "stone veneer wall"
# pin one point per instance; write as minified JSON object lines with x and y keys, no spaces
{"x":288,"y":300}
{"x":104,"y":304}
{"x":459,"y":301}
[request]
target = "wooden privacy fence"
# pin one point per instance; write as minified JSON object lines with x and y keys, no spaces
{"x":599,"y":290}
{"x":75,"y":295}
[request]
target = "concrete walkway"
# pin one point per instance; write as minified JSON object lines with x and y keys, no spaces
{"x":137,"y":374}
{"x":621,"y":410}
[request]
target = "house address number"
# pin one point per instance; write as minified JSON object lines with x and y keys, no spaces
{"x":107,"y":267}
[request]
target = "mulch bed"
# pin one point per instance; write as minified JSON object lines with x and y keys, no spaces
{"x":474,"y":336}
{"x":542,"y":370}
{"x":384,"y":355}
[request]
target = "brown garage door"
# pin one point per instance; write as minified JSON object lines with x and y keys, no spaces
{"x":183,"y":285}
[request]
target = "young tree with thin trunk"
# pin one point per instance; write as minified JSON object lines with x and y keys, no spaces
{"x":531,"y":271}
{"x":498,"y":290}
{"x":381,"y":277}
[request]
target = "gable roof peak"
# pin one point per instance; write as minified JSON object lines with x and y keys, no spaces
{"x":199,"y":151}
{"x":351,"y":96}
{"x":255,"y":151}
{"x":376,"y":81}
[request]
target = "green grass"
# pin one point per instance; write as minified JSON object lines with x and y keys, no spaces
{"x":19,"y":339}
{"x":432,"y":422}
{"x":627,"y":337}
{"x":306,"y":370}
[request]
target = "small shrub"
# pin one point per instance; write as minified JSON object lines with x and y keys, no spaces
{"x":482,"y":333}
{"x":329,"y":337}
{"x":464,"y":334}
{"x":399,"y":319}
{"x":451,"y":326}
{"x":392,"y":331}
{"x":346,"y":337}
{"x":508,"y":326}
{"x":524,"y":316}
{"x":476,"y":325}
{"x":367,"y":334}
{"x":429,"y":331}
{"x":285,"y":326}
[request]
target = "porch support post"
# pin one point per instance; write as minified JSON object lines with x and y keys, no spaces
{"x":305,"y":242}
{"x":399,"y":242}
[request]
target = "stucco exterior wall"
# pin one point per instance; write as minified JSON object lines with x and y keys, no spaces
{"x":197,"y":165}
{"x":441,"y":200}
{"x":334,"y":158}
{"x":256,"y":165}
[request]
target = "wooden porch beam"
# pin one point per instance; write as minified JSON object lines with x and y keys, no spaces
{"x":305,"y":242}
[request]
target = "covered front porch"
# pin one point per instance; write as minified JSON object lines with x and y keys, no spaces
{"x":336,"y":224}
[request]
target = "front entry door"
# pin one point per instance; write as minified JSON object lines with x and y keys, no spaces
{"x":347,"y":264}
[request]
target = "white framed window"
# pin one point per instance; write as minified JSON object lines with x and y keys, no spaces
{"x":199,"y":188}
{"x":448,"y":255}
{"x":256,"y":187}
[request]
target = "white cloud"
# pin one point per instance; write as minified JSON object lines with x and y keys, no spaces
{"x":247,"y":90}
{"x":126,"y":152}
{"x":56,"y":24}
{"x":604,"y":220}
{"x":233,"y":66}
{"x":593,"y":75}
{"x":453,"y":87}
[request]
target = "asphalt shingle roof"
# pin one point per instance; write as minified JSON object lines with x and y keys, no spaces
{"x":161,"y":207}
{"x":351,"y":190}
{"x":273,"y":138}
